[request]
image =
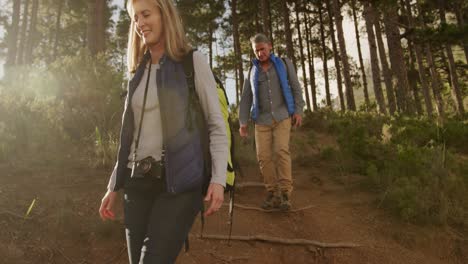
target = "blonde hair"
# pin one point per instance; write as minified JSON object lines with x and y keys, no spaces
{"x":176,"y":43}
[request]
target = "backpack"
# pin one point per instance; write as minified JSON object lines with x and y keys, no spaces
{"x":194,"y":104}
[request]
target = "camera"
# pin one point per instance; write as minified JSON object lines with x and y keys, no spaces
{"x":147,"y":167}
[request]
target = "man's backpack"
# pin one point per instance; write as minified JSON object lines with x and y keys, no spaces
{"x":194,"y":104}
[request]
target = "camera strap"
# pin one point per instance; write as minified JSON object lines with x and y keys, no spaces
{"x":137,"y":141}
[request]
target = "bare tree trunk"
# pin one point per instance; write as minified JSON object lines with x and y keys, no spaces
{"x":57,"y":29}
{"x":424,"y":82}
{"x":210,"y":44}
{"x":32,"y":36}
{"x":361,"y":61}
{"x":336,"y":55}
{"x":287,"y":29}
{"x":344,"y":57}
{"x":387,"y":73}
{"x":237,"y":46}
{"x":392,"y":31}
{"x":310,"y":56}
{"x":436,"y":83}
{"x":324,"y":57}
{"x":100,"y":25}
{"x":96,"y":26}
{"x":237,"y":87}
{"x":369,"y":19}
{"x":412,"y":74}
{"x":13,"y":34}
{"x":461,"y":24}
{"x":258,"y":25}
{"x":421,"y":68}
{"x":91,"y":27}
{"x":301,"y":52}
{"x":265,"y":7}
{"x":24,"y":37}
{"x":271,"y":28}
{"x":456,"y":91}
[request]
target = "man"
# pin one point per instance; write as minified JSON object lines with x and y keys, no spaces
{"x":274,"y":97}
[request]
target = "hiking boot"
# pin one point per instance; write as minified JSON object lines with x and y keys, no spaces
{"x":285,"y":204}
{"x":271,"y":201}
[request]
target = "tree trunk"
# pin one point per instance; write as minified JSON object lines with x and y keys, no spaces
{"x":436,"y":83}
{"x":24,"y":29}
{"x":387,"y":73}
{"x":265,"y":9}
{"x":336,"y":55}
{"x":32,"y":36}
{"x":287,"y":29}
{"x":310,"y":56}
{"x":344,"y":57}
{"x":237,"y":46}
{"x":461,"y":24}
{"x":91,"y":27}
{"x":324,"y":57}
{"x":210,"y":44}
{"x":13,"y":34}
{"x":397,"y":60}
{"x":100,"y":25}
{"x":238,"y":91}
{"x":421,"y":68}
{"x":412,"y":74}
{"x":301,"y":52}
{"x":258,"y":25}
{"x":369,"y":19}
{"x":361,"y":61}
{"x":57,"y":29}
{"x":271,"y":28}
{"x":96,"y":26}
{"x":456,"y":91}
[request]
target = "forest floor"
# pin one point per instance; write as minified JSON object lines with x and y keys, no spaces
{"x":63,"y":226}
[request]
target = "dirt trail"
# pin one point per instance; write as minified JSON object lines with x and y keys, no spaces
{"x":64,"y":226}
{"x":340,"y":214}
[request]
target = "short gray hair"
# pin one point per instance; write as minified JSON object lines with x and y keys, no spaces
{"x":259,"y":38}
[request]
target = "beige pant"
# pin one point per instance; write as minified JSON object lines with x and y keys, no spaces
{"x":273,"y":155}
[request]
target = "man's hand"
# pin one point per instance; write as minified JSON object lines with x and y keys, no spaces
{"x":243,"y":131}
{"x":215,"y":194}
{"x":297,"y":120}
{"x":106,"y":211}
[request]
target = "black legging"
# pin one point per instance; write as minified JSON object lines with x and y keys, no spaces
{"x":156,"y":222}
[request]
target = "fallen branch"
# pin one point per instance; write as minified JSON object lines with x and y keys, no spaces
{"x":284,"y":241}
{"x":247,"y":207}
{"x":249,"y":184}
{"x":227,"y":259}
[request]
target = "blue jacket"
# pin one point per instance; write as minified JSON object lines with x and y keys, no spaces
{"x":183,"y":146}
{"x":283,"y":77}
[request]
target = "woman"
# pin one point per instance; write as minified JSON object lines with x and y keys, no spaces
{"x":160,"y":206}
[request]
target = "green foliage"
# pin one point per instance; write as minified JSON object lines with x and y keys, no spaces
{"x":28,"y":125}
{"x":328,"y":153}
{"x":42,"y":110}
{"x":413,"y":164}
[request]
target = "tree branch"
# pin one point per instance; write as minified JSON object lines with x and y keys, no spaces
{"x":247,"y":207}
{"x":285,"y":241}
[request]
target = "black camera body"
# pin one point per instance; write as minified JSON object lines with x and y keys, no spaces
{"x":147,"y":167}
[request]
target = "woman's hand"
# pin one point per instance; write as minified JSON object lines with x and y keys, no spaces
{"x":215,"y":194}
{"x":106,"y":211}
